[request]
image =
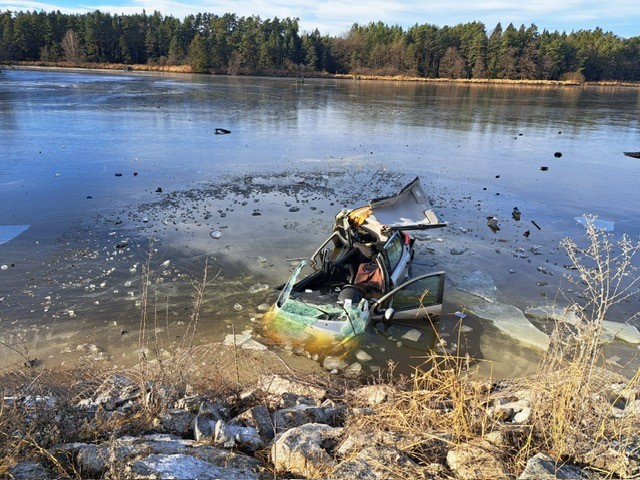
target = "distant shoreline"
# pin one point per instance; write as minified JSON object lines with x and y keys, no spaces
{"x":349,"y":76}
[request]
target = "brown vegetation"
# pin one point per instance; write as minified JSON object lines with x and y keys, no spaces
{"x":393,"y":77}
{"x":111,"y":66}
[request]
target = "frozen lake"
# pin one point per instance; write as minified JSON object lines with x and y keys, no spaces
{"x":95,"y":164}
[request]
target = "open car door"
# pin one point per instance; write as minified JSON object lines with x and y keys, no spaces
{"x":418,"y":298}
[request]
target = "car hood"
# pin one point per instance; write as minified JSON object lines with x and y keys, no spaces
{"x":409,"y":209}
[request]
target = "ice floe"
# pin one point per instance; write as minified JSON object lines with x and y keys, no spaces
{"x":621,"y":331}
{"x":604,"y":225}
{"x":511,"y":321}
{"x":9,"y":232}
{"x":480,"y":284}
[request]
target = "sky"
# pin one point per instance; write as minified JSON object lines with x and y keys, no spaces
{"x":335,"y":17}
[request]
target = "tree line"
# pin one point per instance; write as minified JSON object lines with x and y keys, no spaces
{"x":250,"y":45}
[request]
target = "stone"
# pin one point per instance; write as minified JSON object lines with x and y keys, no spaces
{"x":178,"y":421}
{"x":517,"y":411}
{"x":522,"y":416}
{"x":204,"y":425}
{"x":216,"y":409}
{"x":334,"y":363}
{"x":288,"y":418}
{"x":114,"y":392}
{"x":372,"y":463}
{"x":618,"y":458}
{"x":259,"y":418}
{"x":29,"y":471}
{"x":89,"y":459}
{"x":166,"y":444}
{"x":289,"y":400}
{"x":306,"y":449}
{"x":229,"y":435}
{"x":372,"y":394}
{"x":353,"y":370}
{"x":476,"y":461}
{"x":370,"y":437}
{"x":277,"y":385}
{"x":543,"y":467}
{"x":174,"y":466}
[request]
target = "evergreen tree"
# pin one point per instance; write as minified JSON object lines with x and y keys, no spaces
{"x":198,"y":56}
{"x":249,"y":45}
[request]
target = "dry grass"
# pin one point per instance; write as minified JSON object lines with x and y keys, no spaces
{"x":37,"y":411}
{"x":111,"y":66}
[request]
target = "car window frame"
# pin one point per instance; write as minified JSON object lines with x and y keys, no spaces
{"x":417,"y":311}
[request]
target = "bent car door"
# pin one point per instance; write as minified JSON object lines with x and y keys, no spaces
{"x":420,"y":297}
{"x":408,"y":209}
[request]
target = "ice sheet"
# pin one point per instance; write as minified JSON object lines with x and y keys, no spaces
{"x":9,"y":232}
{"x":604,"y":225}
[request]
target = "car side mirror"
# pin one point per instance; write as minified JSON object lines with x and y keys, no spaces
{"x":388,"y":313}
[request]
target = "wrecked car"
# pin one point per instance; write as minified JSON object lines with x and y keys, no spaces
{"x":362,"y":272}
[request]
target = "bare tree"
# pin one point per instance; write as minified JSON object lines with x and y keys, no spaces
{"x":71,"y":47}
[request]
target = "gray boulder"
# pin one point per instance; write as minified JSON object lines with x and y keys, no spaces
{"x":229,"y":435}
{"x":204,"y":425}
{"x":290,"y":400}
{"x":259,"y":418}
{"x":361,"y":439}
{"x":93,"y":461}
{"x":29,"y":471}
{"x":543,"y":467}
{"x":178,"y":466}
{"x":278,"y":385}
{"x":372,"y":394}
{"x":205,"y":421}
{"x":89,"y":459}
{"x":163,"y":444}
{"x":178,"y":421}
{"x":373,"y":463}
{"x":477,"y":461}
{"x":305,"y":450}
{"x":295,"y":417}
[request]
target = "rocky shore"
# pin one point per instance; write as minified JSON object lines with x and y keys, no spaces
{"x":322,"y":428}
